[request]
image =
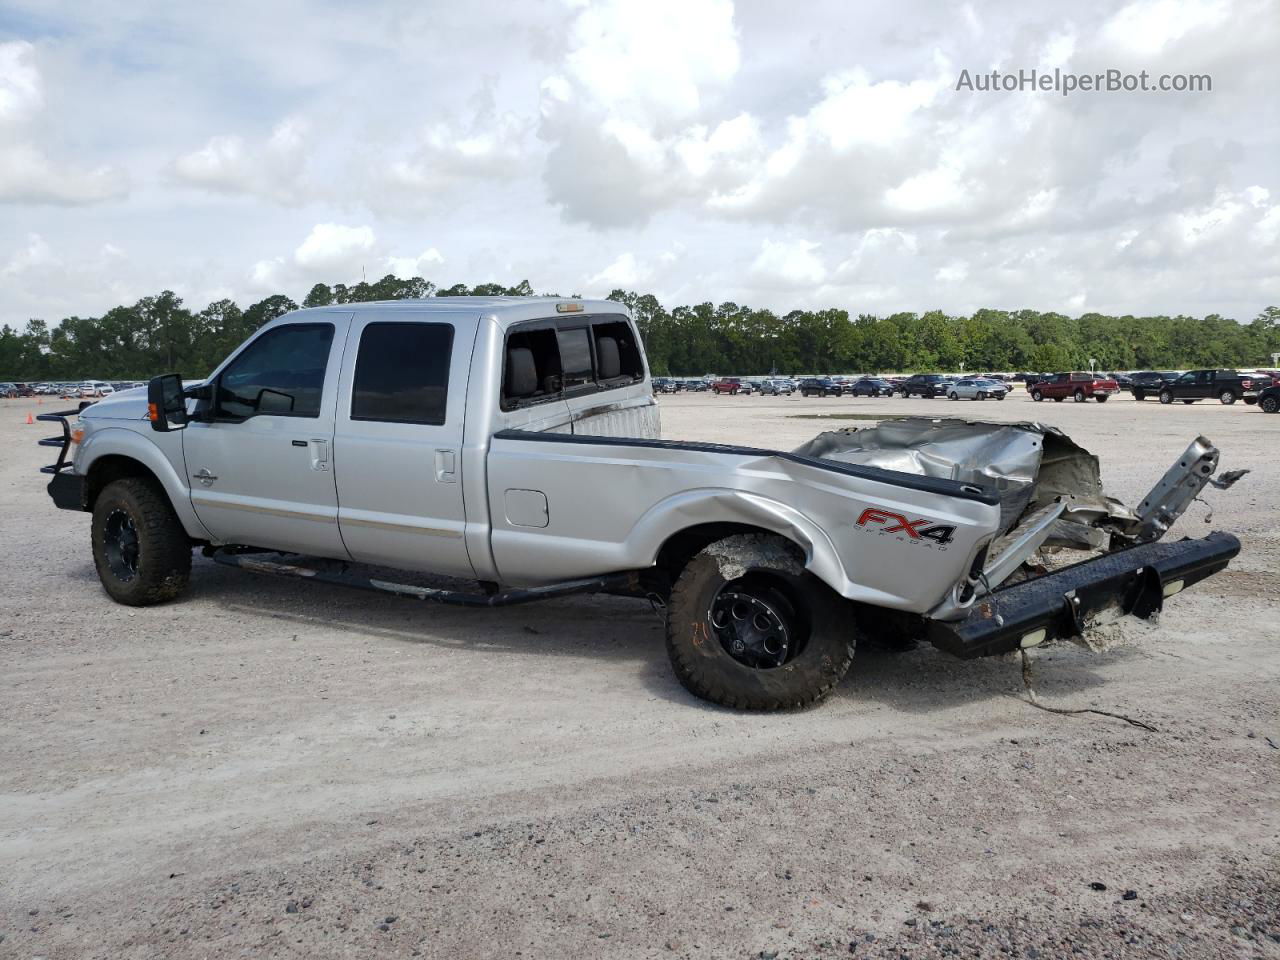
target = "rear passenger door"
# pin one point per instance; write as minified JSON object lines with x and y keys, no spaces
{"x":398,"y":442}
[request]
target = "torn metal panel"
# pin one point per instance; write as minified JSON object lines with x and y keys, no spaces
{"x":1031,"y":466}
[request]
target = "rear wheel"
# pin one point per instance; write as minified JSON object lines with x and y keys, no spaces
{"x":1270,"y":404}
{"x":1139,"y":395}
{"x":1102,"y":398}
{"x":981,"y":395}
{"x":1227,"y":397}
{"x":1079,"y":396}
{"x":1188,"y":402}
{"x":1037,"y":396}
{"x":748,"y":627}
{"x":953,"y":395}
{"x":141,"y":552}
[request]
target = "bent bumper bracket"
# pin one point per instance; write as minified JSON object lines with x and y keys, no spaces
{"x":1064,"y":603}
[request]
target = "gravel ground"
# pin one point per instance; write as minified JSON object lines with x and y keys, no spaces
{"x":267,"y":768}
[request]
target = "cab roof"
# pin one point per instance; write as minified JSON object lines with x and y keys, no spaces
{"x":504,"y":310}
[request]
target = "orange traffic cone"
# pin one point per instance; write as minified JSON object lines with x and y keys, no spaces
{"x":29,"y":420}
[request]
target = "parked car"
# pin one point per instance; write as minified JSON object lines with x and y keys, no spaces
{"x":8,"y":390}
{"x":977,"y":388}
{"x":764,"y":560}
{"x":1227,"y":386}
{"x":1123,"y":380}
{"x":665,"y":385}
{"x":820,"y":387}
{"x":1147,"y":383}
{"x":1077,"y":385}
{"x":776,"y":388}
{"x":1269,"y":399}
{"x":871,"y":387}
{"x":729,"y":385}
{"x":927,"y":385}
{"x":24,"y":390}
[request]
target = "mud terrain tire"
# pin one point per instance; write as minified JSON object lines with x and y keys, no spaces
{"x":757,"y":581}
{"x":141,"y":552}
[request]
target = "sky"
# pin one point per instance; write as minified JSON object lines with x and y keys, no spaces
{"x":800,"y":155}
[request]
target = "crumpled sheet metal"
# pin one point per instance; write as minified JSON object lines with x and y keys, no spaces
{"x":1027,"y":464}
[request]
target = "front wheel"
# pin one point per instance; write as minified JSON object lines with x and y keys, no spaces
{"x":1102,"y":398}
{"x":981,"y":396}
{"x":1166,"y":397}
{"x":748,"y":627}
{"x":1270,"y":404}
{"x":953,"y":395}
{"x":1037,"y":396}
{"x":142,"y":553}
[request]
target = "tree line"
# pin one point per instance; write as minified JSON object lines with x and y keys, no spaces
{"x":160,"y":334}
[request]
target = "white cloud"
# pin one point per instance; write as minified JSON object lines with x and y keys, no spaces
{"x":425,"y":263}
{"x":333,"y":246}
{"x":788,"y":264}
{"x":36,"y":253}
{"x":274,"y":168}
{"x":20,"y":87}
{"x":650,"y":62}
{"x":1148,"y":26}
{"x":624,"y":273}
{"x":27,"y":173}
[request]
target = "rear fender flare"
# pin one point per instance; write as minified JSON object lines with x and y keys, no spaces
{"x":694,"y":508}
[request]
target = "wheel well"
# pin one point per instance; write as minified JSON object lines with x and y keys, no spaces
{"x":115,"y":467}
{"x":683,"y":546}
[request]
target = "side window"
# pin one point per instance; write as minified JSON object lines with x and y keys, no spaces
{"x":617,"y":353}
{"x":532,"y":369}
{"x":402,"y":373}
{"x":281,"y":373}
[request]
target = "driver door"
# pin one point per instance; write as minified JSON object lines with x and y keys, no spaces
{"x":260,"y":465}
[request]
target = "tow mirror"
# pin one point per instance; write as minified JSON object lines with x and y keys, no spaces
{"x":166,"y":403}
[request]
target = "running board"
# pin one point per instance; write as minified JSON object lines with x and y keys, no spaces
{"x":626,"y":583}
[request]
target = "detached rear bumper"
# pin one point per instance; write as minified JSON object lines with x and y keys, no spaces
{"x":1064,"y":604}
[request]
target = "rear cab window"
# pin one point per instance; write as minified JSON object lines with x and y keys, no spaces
{"x":567,"y":357}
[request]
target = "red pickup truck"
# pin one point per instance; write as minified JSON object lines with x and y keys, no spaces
{"x":1078,"y":386}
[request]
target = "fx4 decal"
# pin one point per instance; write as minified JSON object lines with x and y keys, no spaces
{"x":924,"y":529}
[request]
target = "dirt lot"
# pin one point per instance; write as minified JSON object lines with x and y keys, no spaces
{"x":273,"y":769}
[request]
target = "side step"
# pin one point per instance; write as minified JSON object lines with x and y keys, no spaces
{"x":625,"y":583}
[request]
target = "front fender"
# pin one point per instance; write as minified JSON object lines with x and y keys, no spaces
{"x":123,"y":442}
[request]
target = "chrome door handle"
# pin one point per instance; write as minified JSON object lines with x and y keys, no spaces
{"x":205,"y":477}
{"x":445,"y":471}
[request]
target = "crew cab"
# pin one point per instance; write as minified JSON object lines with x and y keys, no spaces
{"x":514,"y":443}
{"x":927,"y":385}
{"x":1078,"y":386}
{"x":1226,"y":386}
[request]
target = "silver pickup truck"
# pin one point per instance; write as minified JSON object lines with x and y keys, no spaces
{"x":514,"y":444}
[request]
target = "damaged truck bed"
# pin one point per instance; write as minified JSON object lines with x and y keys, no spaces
{"x":1067,"y":557}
